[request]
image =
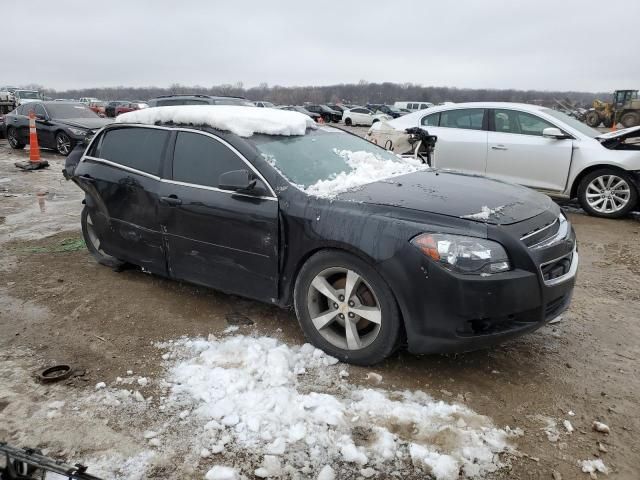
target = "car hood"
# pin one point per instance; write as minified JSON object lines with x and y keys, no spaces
{"x":88,"y":123}
{"x":621,"y":134}
{"x":455,"y":194}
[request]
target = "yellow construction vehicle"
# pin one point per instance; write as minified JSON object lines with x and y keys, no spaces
{"x":624,"y":109}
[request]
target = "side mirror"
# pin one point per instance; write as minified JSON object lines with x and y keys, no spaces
{"x":553,"y":132}
{"x":237,"y":180}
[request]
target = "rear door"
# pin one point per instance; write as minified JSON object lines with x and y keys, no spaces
{"x":462,"y":139}
{"x":216,"y":237}
{"x":121,"y":175}
{"x":518,"y":152}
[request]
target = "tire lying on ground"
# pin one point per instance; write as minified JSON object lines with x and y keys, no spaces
{"x":346,"y":308}
{"x":607,"y":193}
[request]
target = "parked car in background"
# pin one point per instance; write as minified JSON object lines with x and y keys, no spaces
{"x":362,"y":116}
{"x":336,"y":107}
{"x":327,"y":114}
{"x":413,"y":106}
{"x":88,"y":100}
{"x":98,"y":107}
{"x":367,"y":268}
{"x":110,"y":109}
{"x":168,"y":100}
{"x":130,"y":107}
{"x":263,"y":104}
{"x":2,"y":126}
{"x":387,"y":109}
{"x":59,"y":125}
{"x":297,"y":108}
{"x":533,"y":146}
{"x":26,"y":96}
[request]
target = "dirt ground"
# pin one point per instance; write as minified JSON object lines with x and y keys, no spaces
{"x":58,"y":306}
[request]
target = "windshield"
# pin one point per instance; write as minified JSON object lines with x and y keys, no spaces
{"x":328,"y":161}
{"x":62,"y":110}
{"x":28,"y":94}
{"x":572,"y":122}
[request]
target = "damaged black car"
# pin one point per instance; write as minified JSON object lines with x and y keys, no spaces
{"x":375,"y":252}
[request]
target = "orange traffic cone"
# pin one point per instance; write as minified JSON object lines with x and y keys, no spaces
{"x":35,"y":162}
{"x":34,"y":148}
{"x":614,"y":124}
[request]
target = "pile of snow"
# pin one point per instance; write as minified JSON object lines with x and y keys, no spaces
{"x":366,"y":167}
{"x":593,"y":467}
{"x":259,"y":396}
{"x":243,"y":121}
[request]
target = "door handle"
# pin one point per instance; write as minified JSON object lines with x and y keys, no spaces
{"x":171,"y":200}
{"x":87,"y":178}
{"x":499,"y":147}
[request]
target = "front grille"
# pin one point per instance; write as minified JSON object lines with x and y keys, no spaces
{"x":541,"y":233}
{"x":556,"y":268}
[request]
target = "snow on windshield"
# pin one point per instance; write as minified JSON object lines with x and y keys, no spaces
{"x":366,"y":167}
{"x":243,"y":121}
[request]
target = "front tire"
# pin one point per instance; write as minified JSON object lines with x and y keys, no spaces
{"x":346,"y":308}
{"x":64,"y":144}
{"x":592,"y":119}
{"x":92,"y":240}
{"x":14,"y":141}
{"x":348,"y":122}
{"x":607,"y":193}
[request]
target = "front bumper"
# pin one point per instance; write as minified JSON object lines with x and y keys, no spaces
{"x":446,"y":312}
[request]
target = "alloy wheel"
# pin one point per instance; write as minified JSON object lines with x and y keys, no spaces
{"x":344,"y":309}
{"x":93,"y":236}
{"x":11,"y":137}
{"x":608,"y":194}
{"x":63,"y":143}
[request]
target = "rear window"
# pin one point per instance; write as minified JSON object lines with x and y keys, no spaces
{"x":139,"y":148}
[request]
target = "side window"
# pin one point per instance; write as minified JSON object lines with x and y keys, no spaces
{"x":468,"y":119}
{"x":431,"y":120}
{"x":511,"y":121}
{"x":200,"y":159}
{"x":39,"y":110}
{"x":423,"y":106}
{"x":139,"y":148}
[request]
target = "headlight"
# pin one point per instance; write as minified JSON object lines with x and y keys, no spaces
{"x":461,"y":254}
{"x":78,"y":131}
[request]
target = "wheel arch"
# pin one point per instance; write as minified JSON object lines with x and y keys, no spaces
{"x":592,"y":168}
{"x":288,"y":291}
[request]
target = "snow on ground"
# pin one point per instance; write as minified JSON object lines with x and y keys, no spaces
{"x":237,"y":406}
{"x":243,"y":121}
{"x":366,"y":167}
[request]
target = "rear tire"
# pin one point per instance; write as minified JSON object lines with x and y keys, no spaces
{"x":607,"y":193}
{"x":92,"y":241}
{"x":630,"y":119}
{"x":340,"y":331}
{"x":14,"y":141}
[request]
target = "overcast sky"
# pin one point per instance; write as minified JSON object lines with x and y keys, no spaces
{"x":582,"y":45}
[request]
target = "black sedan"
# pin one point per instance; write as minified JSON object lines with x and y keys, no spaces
{"x":297,"y":108}
{"x":60,"y":126}
{"x":327,"y":114}
{"x":436,"y":260}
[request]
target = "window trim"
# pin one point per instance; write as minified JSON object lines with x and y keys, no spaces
{"x":100,"y":134}
{"x":492,"y":125}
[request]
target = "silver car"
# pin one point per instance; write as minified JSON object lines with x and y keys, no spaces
{"x":533,"y":146}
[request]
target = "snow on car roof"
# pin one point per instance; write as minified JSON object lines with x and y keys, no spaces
{"x":243,"y":121}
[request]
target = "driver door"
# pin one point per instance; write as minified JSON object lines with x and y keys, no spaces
{"x":215,"y":237}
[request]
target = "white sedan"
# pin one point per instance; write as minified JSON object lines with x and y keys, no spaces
{"x":362,"y":116}
{"x":533,"y":146}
